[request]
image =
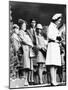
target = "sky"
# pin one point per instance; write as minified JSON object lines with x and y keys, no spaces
{"x":42,"y":12}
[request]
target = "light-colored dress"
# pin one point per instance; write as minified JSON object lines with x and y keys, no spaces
{"x":53,"y":51}
{"x":26,"y":43}
{"x":41,"y":42}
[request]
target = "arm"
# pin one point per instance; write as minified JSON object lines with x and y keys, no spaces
{"x":52,"y":31}
{"x":25,"y":40}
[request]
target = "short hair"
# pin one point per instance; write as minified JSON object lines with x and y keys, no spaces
{"x":32,"y":20}
{"x":21,"y":21}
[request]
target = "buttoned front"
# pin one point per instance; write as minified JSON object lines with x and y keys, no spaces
{"x":53,"y":51}
{"x":41,"y":42}
{"x":26,"y":48}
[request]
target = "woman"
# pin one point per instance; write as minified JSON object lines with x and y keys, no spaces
{"x":15,"y":38}
{"x":41,"y":46}
{"x":15,"y":44}
{"x":26,"y":44}
{"x":53,"y":59}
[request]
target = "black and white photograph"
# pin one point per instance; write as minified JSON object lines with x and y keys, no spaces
{"x":37,"y":45}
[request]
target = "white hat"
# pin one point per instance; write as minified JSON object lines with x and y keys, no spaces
{"x":16,"y":26}
{"x":56,"y":16}
{"x":39,"y":26}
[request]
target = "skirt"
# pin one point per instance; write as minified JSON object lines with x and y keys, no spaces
{"x":40,"y":58}
{"x":26,"y":58}
{"x":53,"y":54}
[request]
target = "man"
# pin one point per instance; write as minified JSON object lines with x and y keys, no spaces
{"x":32,"y":34}
{"x":16,"y":43}
{"x":15,"y":38}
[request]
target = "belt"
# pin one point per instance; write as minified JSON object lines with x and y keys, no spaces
{"x":50,"y":40}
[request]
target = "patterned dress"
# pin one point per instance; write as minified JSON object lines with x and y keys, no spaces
{"x":16,"y":41}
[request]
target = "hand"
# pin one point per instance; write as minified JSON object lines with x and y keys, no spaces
{"x":58,"y":38}
{"x":57,"y":41}
{"x":43,"y":49}
{"x":39,"y":47}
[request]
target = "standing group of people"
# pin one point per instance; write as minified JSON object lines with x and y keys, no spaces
{"x":30,"y":44}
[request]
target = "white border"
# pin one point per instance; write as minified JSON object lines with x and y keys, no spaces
{"x":4,"y":41}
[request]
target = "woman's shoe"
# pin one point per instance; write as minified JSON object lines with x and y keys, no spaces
{"x":26,"y":84}
{"x":52,"y":84}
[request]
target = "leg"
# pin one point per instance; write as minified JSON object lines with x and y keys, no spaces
{"x":53,"y":74}
{"x":40,"y":73}
{"x":48,"y":75}
{"x":29,"y":76}
{"x":26,"y":77}
{"x":31,"y":79}
{"x":63,"y":68}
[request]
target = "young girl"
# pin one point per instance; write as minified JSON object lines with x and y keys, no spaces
{"x":41,"y":45}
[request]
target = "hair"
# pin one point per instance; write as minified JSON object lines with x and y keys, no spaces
{"x":14,"y":27}
{"x":20,"y":22}
{"x":32,"y":20}
{"x":54,"y":21}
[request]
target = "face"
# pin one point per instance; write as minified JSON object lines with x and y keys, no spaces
{"x":16,"y":30}
{"x":58,"y":22}
{"x":39,"y":30}
{"x":33,"y":24}
{"x":24,"y":26}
